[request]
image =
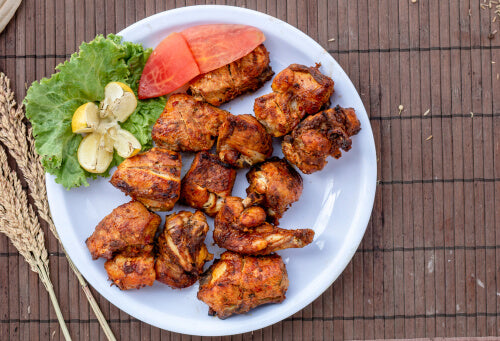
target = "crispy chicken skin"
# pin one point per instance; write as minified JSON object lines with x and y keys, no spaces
{"x":236,"y":283}
{"x":128,"y":224}
{"x":248,"y":73}
{"x":243,"y":141}
{"x":182,"y":249}
{"x":153,"y":178}
{"x":207,"y":183}
{"x":319,"y":136}
{"x":275,"y":185}
{"x":132,"y":268}
{"x":187,"y":124}
{"x":245,"y":230}
{"x":298,"y":91}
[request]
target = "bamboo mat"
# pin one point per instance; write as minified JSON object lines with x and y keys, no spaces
{"x":429,"y":264}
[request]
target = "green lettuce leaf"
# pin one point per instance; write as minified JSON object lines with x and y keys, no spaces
{"x":50,"y":103}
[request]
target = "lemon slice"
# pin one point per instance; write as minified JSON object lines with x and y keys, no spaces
{"x":124,"y":86}
{"x":119,"y":101}
{"x":95,"y":153}
{"x":125,"y":143}
{"x":85,"y":119}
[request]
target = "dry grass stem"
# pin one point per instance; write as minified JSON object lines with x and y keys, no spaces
{"x":7,"y":10}
{"x":21,"y":145}
{"x":18,"y":221}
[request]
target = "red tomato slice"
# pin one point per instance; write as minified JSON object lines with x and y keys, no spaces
{"x":216,"y":45}
{"x":170,"y":66}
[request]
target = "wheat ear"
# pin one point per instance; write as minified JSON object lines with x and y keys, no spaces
{"x":19,"y":140}
{"x":19,"y":223}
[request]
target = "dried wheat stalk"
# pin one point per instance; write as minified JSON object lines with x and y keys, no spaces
{"x":7,"y":10}
{"x":19,"y":140}
{"x":19,"y":223}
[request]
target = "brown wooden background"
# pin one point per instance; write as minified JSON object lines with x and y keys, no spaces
{"x":429,"y":264}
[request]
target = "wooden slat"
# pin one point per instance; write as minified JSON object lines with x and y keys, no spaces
{"x":423,"y":225}
{"x":14,"y":264}
{"x":33,"y":305}
{"x":433,"y":194}
{"x":491,"y":265}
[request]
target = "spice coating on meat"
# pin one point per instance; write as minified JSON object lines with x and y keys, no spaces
{"x":245,"y":230}
{"x":132,"y":268}
{"x":243,"y":141}
{"x":153,"y":178}
{"x":274,"y":185}
{"x":128,"y":224}
{"x":248,"y":73}
{"x":182,"y":249}
{"x":319,"y":136}
{"x":187,"y":124}
{"x":298,"y":91}
{"x":235,"y":283}
{"x":207,"y":183}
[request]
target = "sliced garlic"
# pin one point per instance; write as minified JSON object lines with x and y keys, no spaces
{"x":94,"y":153}
{"x":119,"y":101}
{"x":86,"y":118}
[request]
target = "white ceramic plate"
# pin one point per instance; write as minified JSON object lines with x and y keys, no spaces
{"x":336,"y":202}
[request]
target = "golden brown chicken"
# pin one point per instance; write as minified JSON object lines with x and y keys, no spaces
{"x":207,"y":183}
{"x":229,"y":81}
{"x":182,"y":249}
{"x":235,"y":283}
{"x":153,"y":178}
{"x":319,"y":136}
{"x":245,"y":230}
{"x":187,"y":124}
{"x":298,"y":91}
{"x":132,"y":268}
{"x":128,"y":224}
{"x":275,"y":185}
{"x":243,"y":141}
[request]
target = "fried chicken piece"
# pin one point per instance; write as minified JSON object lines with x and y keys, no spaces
{"x":207,"y":183}
{"x":275,"y":185}
{"x":246,"y":74}
{"x":153,"y":178}
{"x":132,"y":268}
{"x":298,"y":91}
{"x":235,"y":283}
{"x":182,"y":249}
{"x":319,"y":136}
{"x":187,"y":124}
{"x":243,"y":141}
{"x":128,"y":224}
{"x":245,"y":230}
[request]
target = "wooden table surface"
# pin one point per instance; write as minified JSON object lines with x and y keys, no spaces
{"x":429,"y":264}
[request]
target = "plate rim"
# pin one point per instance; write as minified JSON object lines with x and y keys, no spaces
{"x":354,"y":236}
